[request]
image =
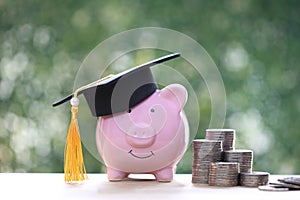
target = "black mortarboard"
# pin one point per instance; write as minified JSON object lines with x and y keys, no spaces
{"x":122,"y":91}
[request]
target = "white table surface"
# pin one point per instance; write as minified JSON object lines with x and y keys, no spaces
{"x":51,"y":186}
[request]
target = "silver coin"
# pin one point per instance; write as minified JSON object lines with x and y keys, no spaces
{"x":287,"y":185}
{"x":290,"y":180}
{"x":220,"y":130}
{"x":273,"y":189}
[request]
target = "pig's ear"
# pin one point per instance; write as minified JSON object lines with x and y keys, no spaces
{"x":175,"y":92}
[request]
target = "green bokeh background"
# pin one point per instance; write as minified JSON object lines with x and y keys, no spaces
{"x":255,"y":45}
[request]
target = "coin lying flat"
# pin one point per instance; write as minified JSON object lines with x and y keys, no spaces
{"x":287,"y":185}
{"x":290,"y":180}
{"x":272,"y":188}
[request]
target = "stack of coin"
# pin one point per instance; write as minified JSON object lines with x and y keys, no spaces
{"x":205,"y":152}
{"x":254,"y":179}
{"x":243,"y":157}
{"x":223,"y":174}
{"x":227,"y":136}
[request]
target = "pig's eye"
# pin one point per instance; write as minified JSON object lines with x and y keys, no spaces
{"x":129,"y":111}
{"x":152,"y":110}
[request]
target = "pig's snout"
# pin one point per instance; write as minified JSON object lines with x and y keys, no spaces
{"x":141,"y":136}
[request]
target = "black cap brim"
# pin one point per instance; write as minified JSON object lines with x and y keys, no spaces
{"x":121,"y":91}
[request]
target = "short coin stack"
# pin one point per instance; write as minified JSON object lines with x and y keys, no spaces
{"x":254,"y":179}
{"x":243,"y":157}
{"x":223,"y":174}
{"x":227,"y":136}
{"x":205,"y":152}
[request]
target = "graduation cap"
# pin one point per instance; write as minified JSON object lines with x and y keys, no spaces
{"x":106,"y":96}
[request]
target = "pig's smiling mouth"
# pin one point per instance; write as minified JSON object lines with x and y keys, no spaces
{"x":141,"y":157}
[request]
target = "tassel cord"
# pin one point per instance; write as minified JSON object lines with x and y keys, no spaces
{"x":74,"y":168}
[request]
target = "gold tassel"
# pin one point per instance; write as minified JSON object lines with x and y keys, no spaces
{"x":74,"y":165}
{"x":74,"y":168}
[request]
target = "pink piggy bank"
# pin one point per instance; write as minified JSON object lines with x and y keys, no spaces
{"x":150,"y":138}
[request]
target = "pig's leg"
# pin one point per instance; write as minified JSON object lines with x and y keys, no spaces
{"x":115,"y":175}
{"x":165,"y":174}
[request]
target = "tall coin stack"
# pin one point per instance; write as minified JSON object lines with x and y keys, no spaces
{"x":227,"y":136}
{"x":223,"y":174}
{"x":205,"y":152}
{"x":243,"y":157}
